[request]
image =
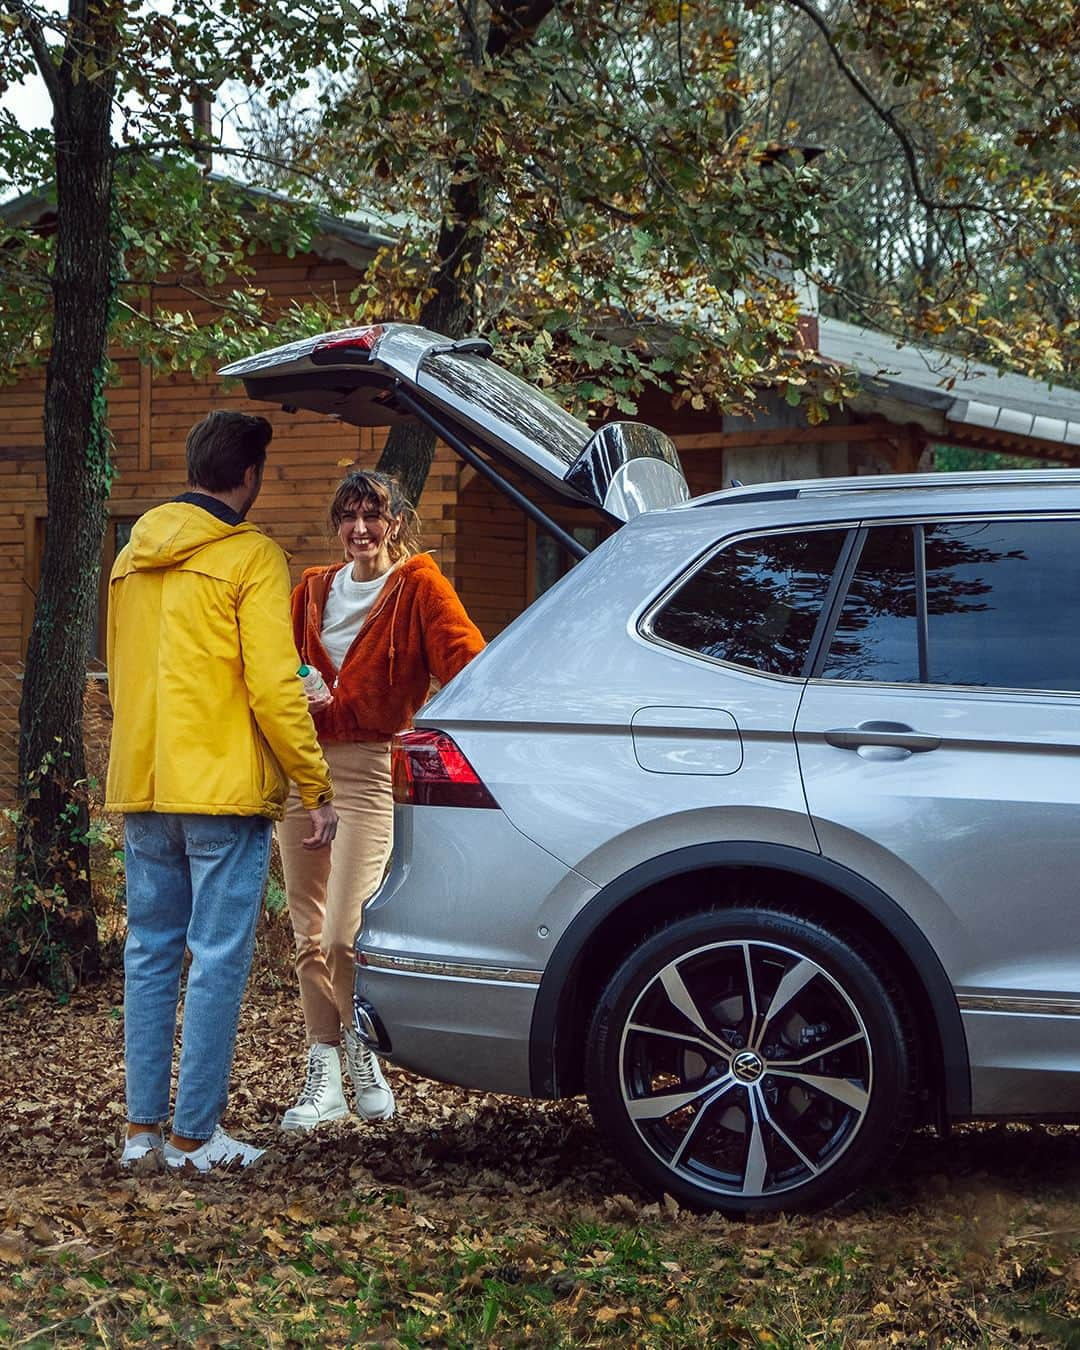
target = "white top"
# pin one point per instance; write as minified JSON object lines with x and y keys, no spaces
{"x":348,"y":603}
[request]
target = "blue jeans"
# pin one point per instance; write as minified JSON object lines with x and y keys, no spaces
{"x":195,"y":882}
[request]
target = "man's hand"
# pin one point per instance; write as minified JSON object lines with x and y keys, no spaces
{"x":323,"y":826}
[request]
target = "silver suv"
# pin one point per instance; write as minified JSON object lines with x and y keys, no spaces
{"x":762,"y":827}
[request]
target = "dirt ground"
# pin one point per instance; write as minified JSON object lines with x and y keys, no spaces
{"x":472,"y":1219}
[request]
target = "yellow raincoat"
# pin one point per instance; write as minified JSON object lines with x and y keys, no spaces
{"x":210,"y":717}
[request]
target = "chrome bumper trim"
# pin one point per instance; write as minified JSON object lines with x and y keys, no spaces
{"x":1011,"y":1003}
{"x":450,"y":970}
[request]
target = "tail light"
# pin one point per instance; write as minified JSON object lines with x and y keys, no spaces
{"x":429,"y":770}
{"x":349,"y":339}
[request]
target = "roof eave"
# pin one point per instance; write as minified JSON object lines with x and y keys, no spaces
{"x":337,"y":240}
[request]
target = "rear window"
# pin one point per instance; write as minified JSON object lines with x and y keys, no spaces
{"x":1001,"y":603}
{"x":756,"y":602}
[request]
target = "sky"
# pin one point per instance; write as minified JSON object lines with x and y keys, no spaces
{"x":29,"y":102}
{"x":30,"y":105}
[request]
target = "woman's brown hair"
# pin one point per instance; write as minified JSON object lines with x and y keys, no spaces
{"x":364,"y":486}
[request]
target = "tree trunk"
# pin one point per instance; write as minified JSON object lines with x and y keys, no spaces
{"x":451,"y":310}
{"x":58,"y":939}
{"x":410,"y":446}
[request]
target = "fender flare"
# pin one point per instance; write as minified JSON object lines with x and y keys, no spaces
{"x":941,"y":996}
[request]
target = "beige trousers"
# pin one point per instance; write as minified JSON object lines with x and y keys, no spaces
{"x":327,"y":887}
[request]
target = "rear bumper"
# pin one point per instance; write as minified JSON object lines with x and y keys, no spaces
{"x":452,"y":946}
{"x":467,"y":1025}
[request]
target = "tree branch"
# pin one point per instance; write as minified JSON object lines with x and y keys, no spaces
{"x":225,"y":305}
{"x":32,"y":28}
{"x":217,"y":149}
{"x":467,"y":15}
{"x":903,"y":140}
{"x":515,"y":23}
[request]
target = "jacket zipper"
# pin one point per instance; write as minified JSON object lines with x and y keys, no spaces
{"x":384,"y":600}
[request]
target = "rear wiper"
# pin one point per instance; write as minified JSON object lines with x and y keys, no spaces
{"x":473,"y":346}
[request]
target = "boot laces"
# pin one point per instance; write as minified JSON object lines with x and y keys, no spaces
{"x":313,"y":1084}
{"x":362,"y":1062}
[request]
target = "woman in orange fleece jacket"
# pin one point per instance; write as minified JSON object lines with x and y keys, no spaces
{"x":379,"y":627}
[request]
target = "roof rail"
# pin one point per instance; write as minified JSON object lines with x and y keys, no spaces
{"x":890,"y":482}
{"x":787,"y":490}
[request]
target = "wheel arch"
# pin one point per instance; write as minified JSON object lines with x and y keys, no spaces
{"x":693,"y":878}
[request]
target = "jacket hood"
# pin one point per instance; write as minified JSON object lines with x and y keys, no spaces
{"x":419,"y":562}
{"x":411,"y":566}
{"x":173,"y":533}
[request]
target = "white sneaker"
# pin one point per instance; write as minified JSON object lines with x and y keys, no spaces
{"x":321,"y":1097}
{"x":220,"y":1150}
{"x":142,"y":1145}
{"x":374,"y":1100}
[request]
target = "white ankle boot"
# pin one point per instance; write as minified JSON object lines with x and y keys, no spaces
{"x":321,"y":1097}
{"x":374,"y":1100}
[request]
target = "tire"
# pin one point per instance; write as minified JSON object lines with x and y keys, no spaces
{"x":711,"y":1091}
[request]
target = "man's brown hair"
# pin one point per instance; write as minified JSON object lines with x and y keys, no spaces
{"x":223,"y":446}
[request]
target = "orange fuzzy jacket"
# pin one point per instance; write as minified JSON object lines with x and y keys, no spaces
{"x":417,"y":629}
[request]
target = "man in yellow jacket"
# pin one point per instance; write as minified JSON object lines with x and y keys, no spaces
{"x":210,"y":724}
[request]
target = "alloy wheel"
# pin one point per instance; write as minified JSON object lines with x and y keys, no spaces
{"x":745,"y":1068}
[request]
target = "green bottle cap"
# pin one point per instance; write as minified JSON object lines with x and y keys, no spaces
{"x":304,"y":672}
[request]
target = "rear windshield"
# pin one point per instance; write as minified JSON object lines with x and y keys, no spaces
{"x":505,"y":398}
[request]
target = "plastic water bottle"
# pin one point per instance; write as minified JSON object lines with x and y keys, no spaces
{"x":315,"y":687}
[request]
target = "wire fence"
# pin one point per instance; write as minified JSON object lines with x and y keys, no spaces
{"x":274,"y":935}
{"x":10,"y":693}
{"x":97,"y":730}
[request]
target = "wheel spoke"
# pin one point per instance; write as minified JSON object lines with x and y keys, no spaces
{"x":841,"y":1088}
{"x":663,"y":1104}
{"x":751,"y":1035}
{"x":757,"y":1160}
{"x":791,"y":985}
{"x":806,"y":1162}
{"x":681,"y":999}
{"x":708,"y":1046}
{"x":723,"y":1086}
{"x":775,"y":1065}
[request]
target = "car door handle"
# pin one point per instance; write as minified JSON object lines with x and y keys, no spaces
{"x":896,"y":734}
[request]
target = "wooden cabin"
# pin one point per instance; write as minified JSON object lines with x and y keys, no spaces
{"x":498,"y":559}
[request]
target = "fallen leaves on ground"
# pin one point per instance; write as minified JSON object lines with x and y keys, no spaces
{"x":478,"y":1220}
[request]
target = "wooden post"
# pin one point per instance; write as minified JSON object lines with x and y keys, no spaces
{"x":146,"y":386}
{"x":907,"y":446}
